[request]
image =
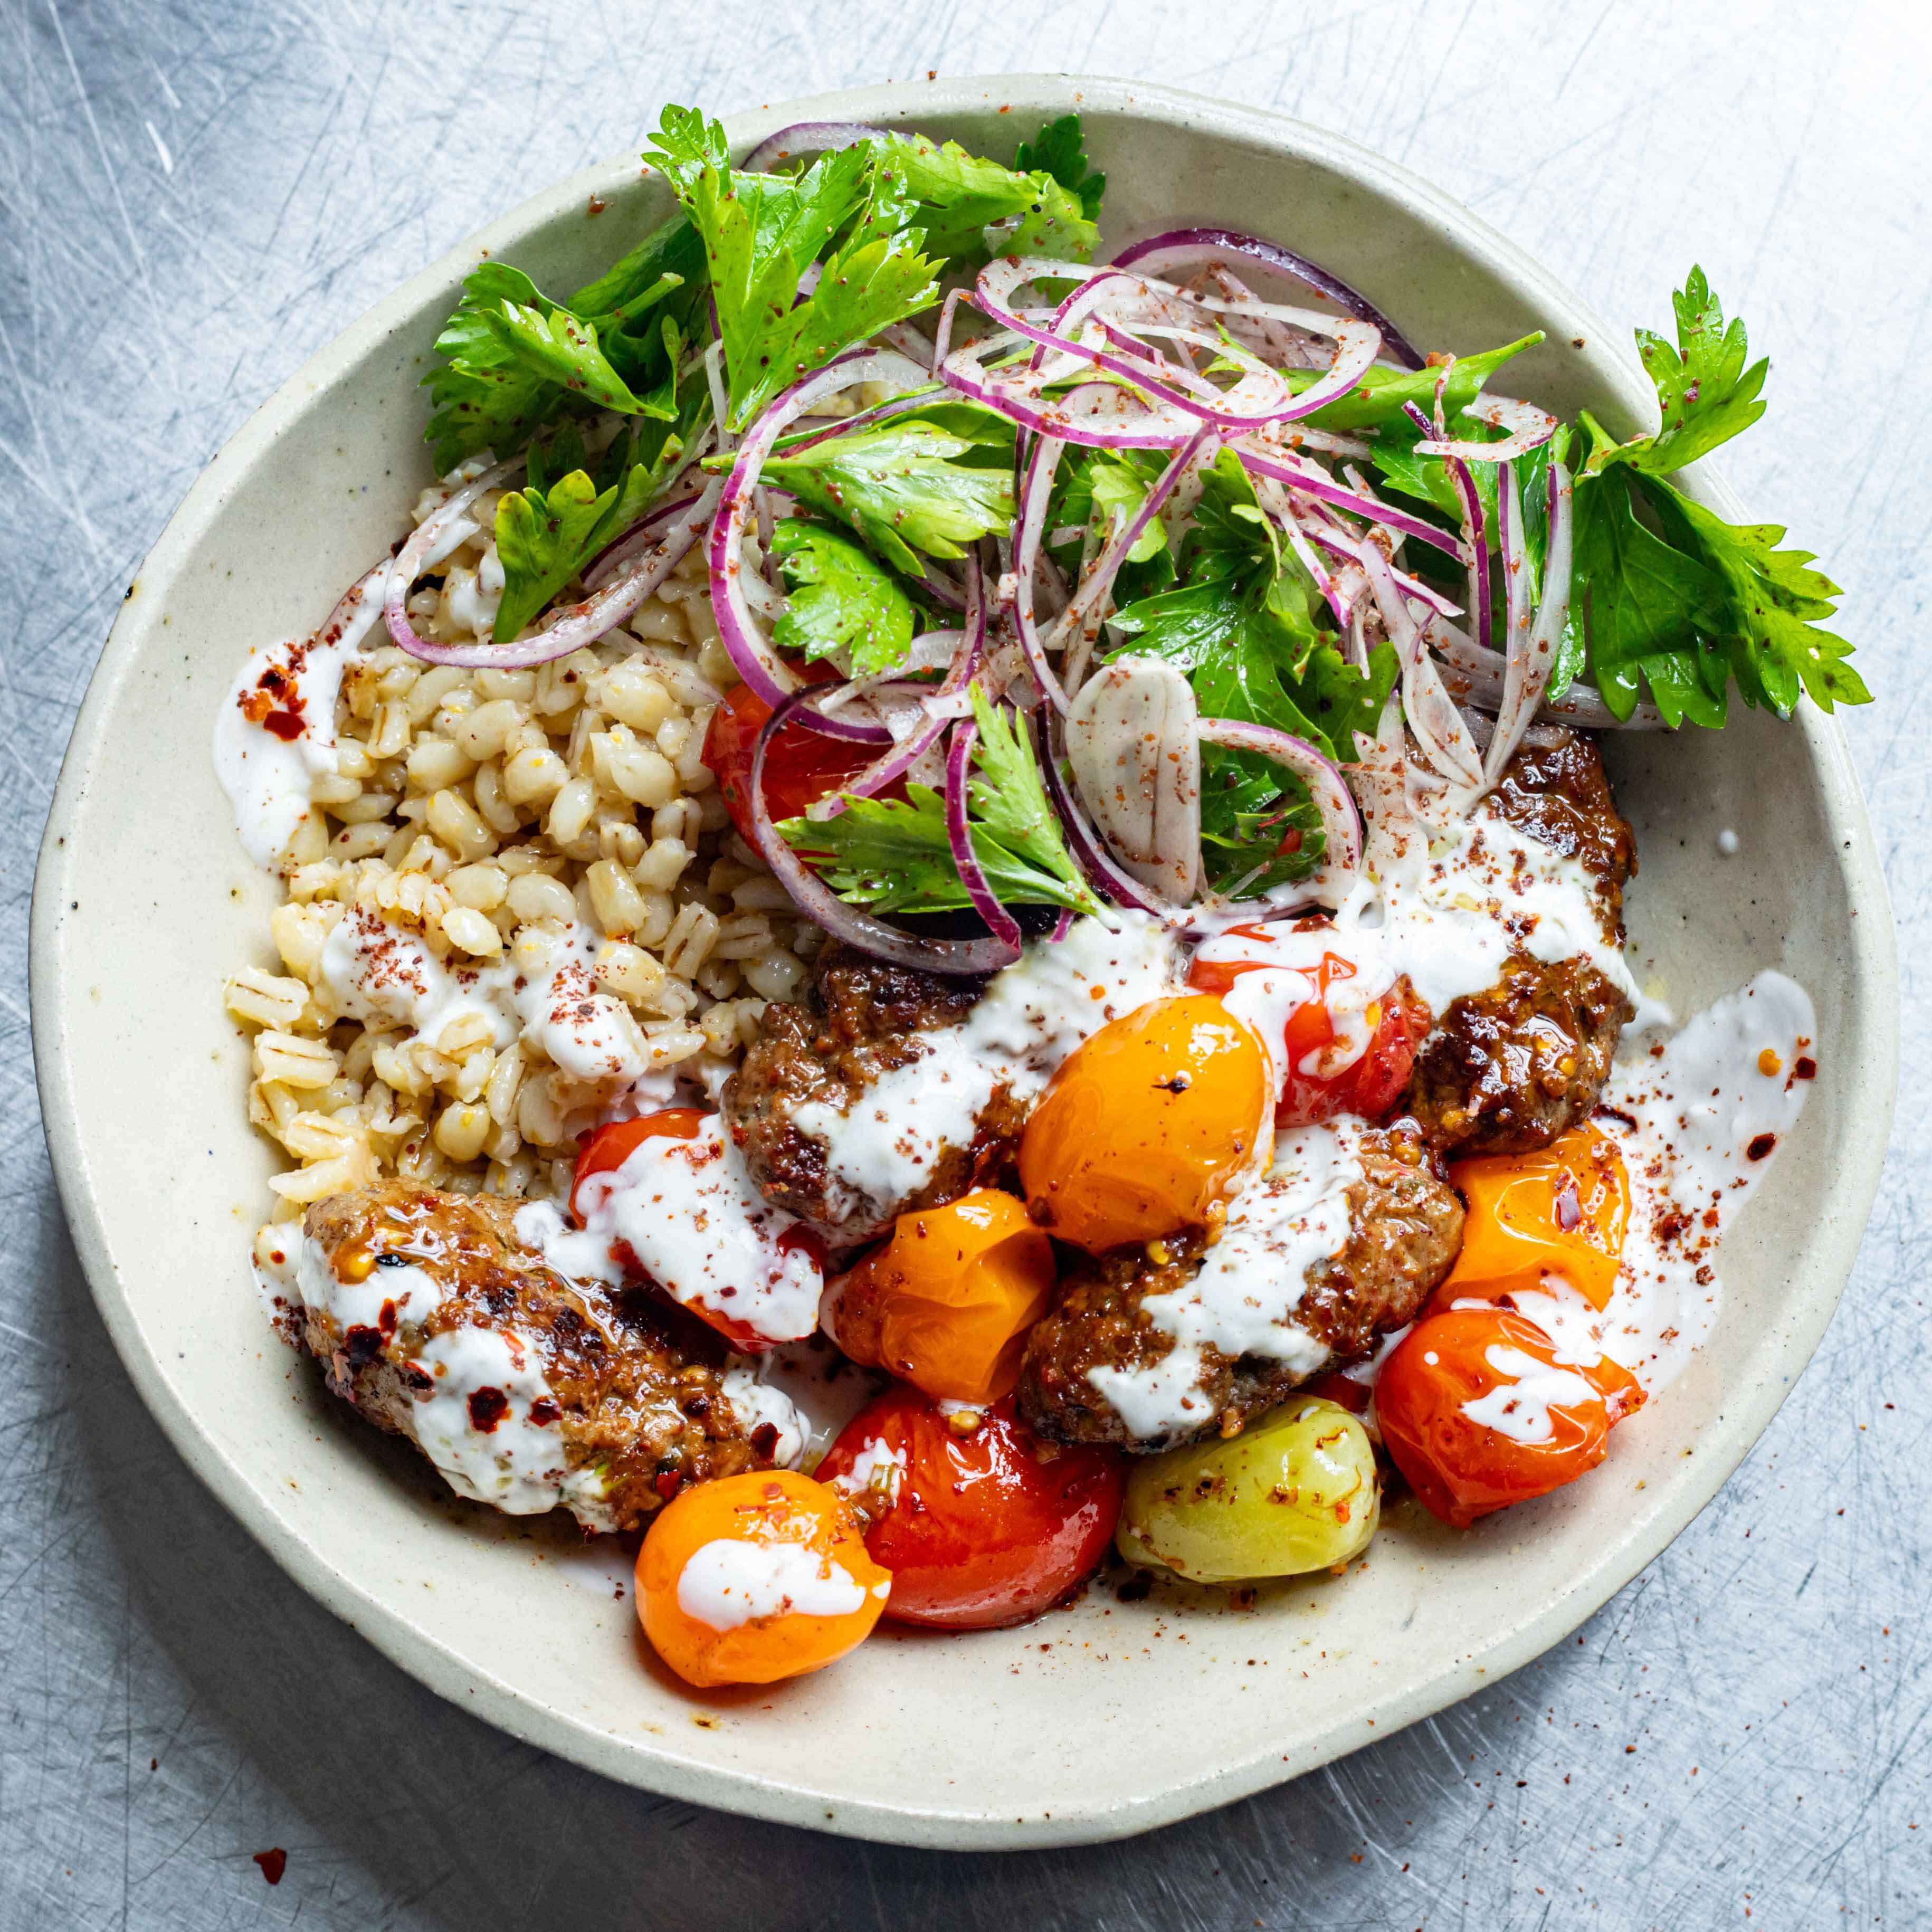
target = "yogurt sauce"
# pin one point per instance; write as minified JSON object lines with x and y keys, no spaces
{"x":274,"y":734}
{"x":1033,"y":1014}
{"x":687,"y":1214}
{"x":1698,"y":1119}
{"x":489,"y":1420}
{"x":1281,"y":1229}
{"x":728,"y":1583}
{"x":545,"y":991}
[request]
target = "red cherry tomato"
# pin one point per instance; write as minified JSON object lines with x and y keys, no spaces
{"x":987,"y":1528}
{"x":1479,"y":1413}
{"x":802,"y":767}
{"x":612,"y":1144}
{"x":1369,"y":1085}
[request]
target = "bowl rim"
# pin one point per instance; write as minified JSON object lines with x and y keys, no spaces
{"x":1725,"y":1440}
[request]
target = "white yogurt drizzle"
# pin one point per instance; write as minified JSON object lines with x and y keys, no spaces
{"x":729,"y":1583}
{"x":878,"y":1466}
{"x":268,"y":777}
{"x":1281,"y":1229}
{"x":689,"y":1213}
{"x":545,"y":991}
{"x":887,"y":1146}
{"x":1519,"y":1405}
{"x":1447,"y":915}
{"x":489,"y":1420}
{"x":1699,"y":1120}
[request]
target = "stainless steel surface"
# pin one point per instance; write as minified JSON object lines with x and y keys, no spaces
{"x":193,"y":197}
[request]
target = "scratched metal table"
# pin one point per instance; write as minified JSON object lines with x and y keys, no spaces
{"x":198,"y":193}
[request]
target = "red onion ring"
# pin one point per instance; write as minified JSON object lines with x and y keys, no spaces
{"x":409,"y":563}
{"x":956,"y":957}
{"x":1312,"y":482}
{"x":1108,"y":877}
{"x":1000,"y":922}
{"x":1529,"y":427}
{"x":771,"y":679}
{"x":809,"y":137}
{"x":1341,"y":821}
{"x":1475,"y":531}
{"x":1034,"y":491}
{"x":1186,"y":248}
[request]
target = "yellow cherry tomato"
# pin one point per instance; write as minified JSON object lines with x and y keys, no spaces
{"x":1149,"y":1126}
{"x":946,"y":1302}
{"x":1562,"y":1209}
{"x":757,"y":1577}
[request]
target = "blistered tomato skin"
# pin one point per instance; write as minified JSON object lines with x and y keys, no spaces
{"x":1295,"y":1492}
{"x":1563,"y":1209}
{"x":1148,"y":1127}
{"x":946,"y":1302}
{"x":755,"y":1578}
{"x":1478,"y":1412}
{"x":981,"y":1528}
{"x":802,"y":766}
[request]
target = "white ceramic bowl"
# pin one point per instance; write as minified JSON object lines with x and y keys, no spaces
{"x":1102,"y":1720}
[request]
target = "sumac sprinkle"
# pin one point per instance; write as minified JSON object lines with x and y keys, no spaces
{"x":1806,"y":1069}
{"x":543,"y":1412}
{"x":487,"y":1407}
{"x":764,"y":1440}
{"x":273,"y":1863}
{"x":1761,"y":1147}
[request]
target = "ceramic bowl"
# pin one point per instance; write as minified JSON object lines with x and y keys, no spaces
{"x":1105,"y":1718}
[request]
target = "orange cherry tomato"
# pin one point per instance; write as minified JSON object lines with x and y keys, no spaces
{"x":946,"y":1301}
{"x":979,"y":1529}
{"x":802,"y":767}
{"x":1562,"y":1209}
{"x":1149,"y":1125}
{"x":1371,"y":1083}
{"x":1478,"y":1411}
{"x":756,"y":1577}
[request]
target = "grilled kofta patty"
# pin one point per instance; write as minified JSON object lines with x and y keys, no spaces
{"x":860,"y":1019}
{"x":1510,"y":1068}
{"x":1405,"y":1227}
{"x":635,"y":1395}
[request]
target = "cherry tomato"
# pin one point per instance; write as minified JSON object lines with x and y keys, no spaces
{"x":756,"y":1577}
{"x":1563,"y":1208}
{"x":613,"y":1144}
{"x":802,"y":767}
{"x":1478,"y":1411}
{"x":1370,"y":1082}
{"x":1148,"y":1126}
{"x":981,"y":1529}
{"x":946,"y":1302}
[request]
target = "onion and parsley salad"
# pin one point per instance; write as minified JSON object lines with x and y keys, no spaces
{"x":1091,"y":584}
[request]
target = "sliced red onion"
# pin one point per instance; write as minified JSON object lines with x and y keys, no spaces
{"x":1527,"y":676}
{"x":1189,"y":248}
{"x":640,"y":537}
{"x":898,"y":762}
{"x":1475,"y":676}
{"x":1519,"y":617}
{"x":1312,"y":482}
{"x":1111,"y":880}
{"x":824,"y":908}
{"x":1475,"y":531}
{"x":1131,"y":739}
{"x":822,"y":716}
{"x":809,"y":137}
{"x":1439,"y":726}
{"x":410,"y":562}
{"x":1096,"y":415}
{"x":1332,"y":536}
{"x":1000,"y":922}
{"x":1529,"y":428}
{"x":866,"y":418}
{"x":1341,"y":823}
{"x":1080,"y":621}
{"x":1034,"y":491}
{"x":770,"y":679}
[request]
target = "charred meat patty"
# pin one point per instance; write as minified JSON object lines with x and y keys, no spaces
{"x":1509,"y":1068}
{"x":1404,"y":1229}
{"x":607,"y":1403}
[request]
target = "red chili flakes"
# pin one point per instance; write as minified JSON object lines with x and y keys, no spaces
{"x":273,"y":1863}
{"x":1761,"y":1147}
{"x":488,"y":1408}
{"x":543,"y":1412}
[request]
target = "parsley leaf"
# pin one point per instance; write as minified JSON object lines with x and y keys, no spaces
{"x":840,"y":600}
{"x":907,"y":485}
{"x":1705,"y":395}
{"x":762,"y":231}
{"x":1118,"y":489}
{"x":1059,"y":150}
{"x":971,"y":209}
{"x":513,"y":359}
{"x":1377,"y":401}
{"x":895,"y":857}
